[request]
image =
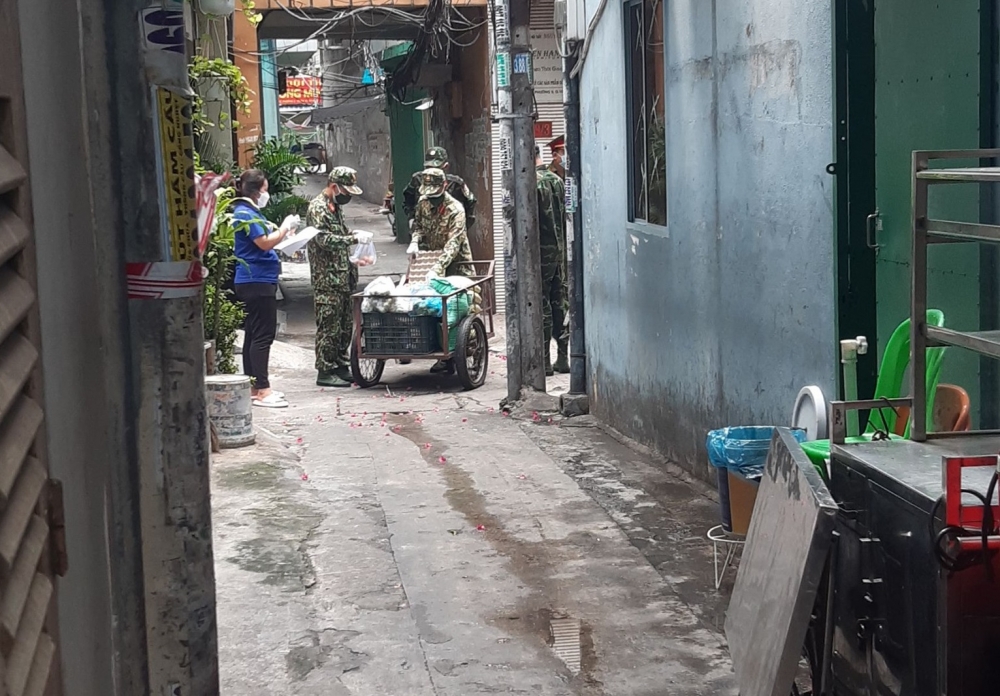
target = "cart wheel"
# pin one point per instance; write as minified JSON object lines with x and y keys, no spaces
{"x":472,"y":352}
{"x":366,"y":372}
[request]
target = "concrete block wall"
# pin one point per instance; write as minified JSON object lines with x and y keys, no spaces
{"x":721,"y":316}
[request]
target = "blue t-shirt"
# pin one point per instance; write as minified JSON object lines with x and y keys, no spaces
{"x":255,"y":265}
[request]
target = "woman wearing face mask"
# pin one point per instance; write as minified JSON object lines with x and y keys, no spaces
{"x":333,"y":277}
{"x":256,"y":281}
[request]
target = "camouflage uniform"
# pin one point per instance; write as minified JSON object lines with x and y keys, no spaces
{"x":437,"y":157}
{"x":334,"y":277}
{"x":552,"y":241}
{"x":439,"y":225}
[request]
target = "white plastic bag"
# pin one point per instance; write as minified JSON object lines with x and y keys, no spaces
{"x":381,"y":286}
{"x":363,"y":254}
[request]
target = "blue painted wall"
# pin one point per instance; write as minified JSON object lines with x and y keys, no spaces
{"x":269,"y":88}
{"x":722,"y":316}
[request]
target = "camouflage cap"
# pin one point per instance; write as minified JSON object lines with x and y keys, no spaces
{"x":346,"y":178}
{"x":433,"y":182}
{"x":436,"y":157}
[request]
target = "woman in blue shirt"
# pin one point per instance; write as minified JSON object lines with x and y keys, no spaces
{"x":256,"y":283}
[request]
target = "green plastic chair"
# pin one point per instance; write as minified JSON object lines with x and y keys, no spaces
{"x":890,"y":385}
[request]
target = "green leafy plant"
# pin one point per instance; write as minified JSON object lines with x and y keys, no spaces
{"x":223,"y":316}
{"x":249,"y":9}
{"x":203,"y":72}
{"x":289,"y":205}
{"x":657,"y":168}
{"x":280,"y":165}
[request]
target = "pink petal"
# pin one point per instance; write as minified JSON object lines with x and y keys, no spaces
{"x":305,"y":477}
{"x":298,"y":441}
{"x":465,"y":420}
{"x":481,"y":528}
{"x":442,"y":460}
{"x":521,"y":477}
{"x":427,"y":445}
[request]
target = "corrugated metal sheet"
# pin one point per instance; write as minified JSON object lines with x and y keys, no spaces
{"x":550,"y":109}
{"x":497,"y":194}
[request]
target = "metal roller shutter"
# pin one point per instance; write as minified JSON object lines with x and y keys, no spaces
{"x":27,"y":566}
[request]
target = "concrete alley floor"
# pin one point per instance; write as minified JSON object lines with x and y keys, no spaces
{"x":411,"y":539}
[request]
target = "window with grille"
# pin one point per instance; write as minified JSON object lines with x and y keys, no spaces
{"x":645,"y":84}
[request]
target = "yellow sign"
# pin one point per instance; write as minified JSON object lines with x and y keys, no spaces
{"x":177,"y":160}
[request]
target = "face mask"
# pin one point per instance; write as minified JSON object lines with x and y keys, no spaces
{"x":342,"y":198}
{"x":262,"y":199}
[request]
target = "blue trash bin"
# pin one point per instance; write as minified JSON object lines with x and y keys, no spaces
{"x":743,"y":449}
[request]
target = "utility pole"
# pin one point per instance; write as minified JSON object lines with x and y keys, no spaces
{"x":142,"y":109}
{"x":522,"y":255}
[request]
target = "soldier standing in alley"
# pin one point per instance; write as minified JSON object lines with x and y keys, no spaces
{"x":333,"y":277}
{"x":557,"y":148}
{"x":437,"y":158}
{"x":552,"y":241}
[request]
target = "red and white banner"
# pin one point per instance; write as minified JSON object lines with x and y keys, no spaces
{"x":205,"y":186}
{"x":163,"y":280}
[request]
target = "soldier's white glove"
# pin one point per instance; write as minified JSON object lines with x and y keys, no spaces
{"x":291,"y":223}
{"x":363,"y":237}
{"x":412,"y":250}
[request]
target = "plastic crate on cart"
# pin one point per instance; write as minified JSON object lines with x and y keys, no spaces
{"x":401,"y":334}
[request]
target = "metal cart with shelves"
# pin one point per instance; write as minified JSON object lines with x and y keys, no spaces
{"x":887,"y":563}
{"x":927,"y":231}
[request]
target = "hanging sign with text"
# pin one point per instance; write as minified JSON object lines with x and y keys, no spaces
{"x":301,"y":90}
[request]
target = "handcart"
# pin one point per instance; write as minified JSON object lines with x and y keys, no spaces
{"x":382,"y":336}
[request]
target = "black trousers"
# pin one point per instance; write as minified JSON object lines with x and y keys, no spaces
{"x":260,"y":327}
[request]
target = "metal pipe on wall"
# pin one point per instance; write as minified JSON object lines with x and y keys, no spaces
{"x":574,"y":257}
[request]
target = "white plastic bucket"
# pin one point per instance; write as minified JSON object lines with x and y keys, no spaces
{"x":230,"y":409}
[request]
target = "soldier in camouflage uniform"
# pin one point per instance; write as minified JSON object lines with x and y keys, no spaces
{"x":333,"y":277}
{"x":437,"y":158}
{"x":552,"y":240}
{"x":439,"y":225}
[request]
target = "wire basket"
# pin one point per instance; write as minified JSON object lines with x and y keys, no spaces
{"x":401,"y":334}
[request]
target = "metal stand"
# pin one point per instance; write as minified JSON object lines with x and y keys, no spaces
{"x":928,"y":231}
{"x":732,"y":543}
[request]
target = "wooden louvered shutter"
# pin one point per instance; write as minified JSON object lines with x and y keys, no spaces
{"x":27,"y":559}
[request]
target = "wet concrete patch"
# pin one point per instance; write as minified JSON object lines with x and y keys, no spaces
{"x":323,"y":649}
{"x":281,"y":563}
{"x":256,"y":475}
{"x":664,"y":515}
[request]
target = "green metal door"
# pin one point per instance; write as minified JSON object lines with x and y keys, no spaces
{"x":406,"y":133}
{"x":927,"y":96}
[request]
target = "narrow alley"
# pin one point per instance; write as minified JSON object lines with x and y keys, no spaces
{"x":412,"y":539}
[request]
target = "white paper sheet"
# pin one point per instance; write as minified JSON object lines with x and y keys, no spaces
{"x":290,"y":245}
